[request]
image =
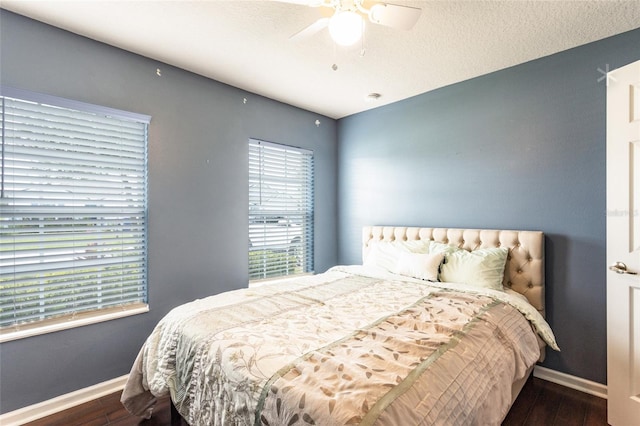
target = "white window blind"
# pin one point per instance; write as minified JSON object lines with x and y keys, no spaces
{"x":72,"y":208}
{"x":280,"y":210}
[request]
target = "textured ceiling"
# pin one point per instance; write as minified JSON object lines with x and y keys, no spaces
{"x":246,"y":43}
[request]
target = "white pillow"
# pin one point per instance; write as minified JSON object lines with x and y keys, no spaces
{"x":385,"y":254}
{"x":423,"y":266}
{"x":483,"y":267}
{"x":436,"y":247}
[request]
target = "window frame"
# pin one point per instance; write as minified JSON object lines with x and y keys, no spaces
{"x":76,"y":318}
{"x":283,"y":175}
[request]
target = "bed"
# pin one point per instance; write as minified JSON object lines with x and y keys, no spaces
{"x":377,"y":343}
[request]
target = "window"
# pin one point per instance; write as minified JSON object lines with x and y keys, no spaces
{"x":280,"y":210}
{"x":73,"y":227}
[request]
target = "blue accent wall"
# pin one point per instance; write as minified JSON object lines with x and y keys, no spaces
{"x":198,"y":193}
{"x":521,"y":148}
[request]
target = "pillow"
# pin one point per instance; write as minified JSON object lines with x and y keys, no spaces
{"x":413,"y":246}
{"x":482,"y":268}
{"x":436,"y":247}
{"x":385,"y":254}
{"x":423,"y":266}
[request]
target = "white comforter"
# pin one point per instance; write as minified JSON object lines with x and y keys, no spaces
{"x":352,"y":346}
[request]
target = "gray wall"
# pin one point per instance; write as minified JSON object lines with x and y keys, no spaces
{"x":197,"y":192}
{"x":522,"y":148}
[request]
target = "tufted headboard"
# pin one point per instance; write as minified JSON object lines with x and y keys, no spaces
{"x":524,"y":270}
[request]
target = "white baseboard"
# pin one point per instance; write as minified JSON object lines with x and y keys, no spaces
{"x":62,"y":402}
{"x":573,"y":382}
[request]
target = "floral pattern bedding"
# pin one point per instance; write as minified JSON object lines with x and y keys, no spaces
{"x":350,"y":346}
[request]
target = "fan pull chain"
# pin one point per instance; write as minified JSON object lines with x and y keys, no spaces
{"x":362,"y":48}
{"x":335,"y":57}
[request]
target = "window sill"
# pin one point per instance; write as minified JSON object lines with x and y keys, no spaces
{"x":66,"y":322}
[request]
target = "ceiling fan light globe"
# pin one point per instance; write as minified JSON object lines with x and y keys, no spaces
{"x":345,"y":28}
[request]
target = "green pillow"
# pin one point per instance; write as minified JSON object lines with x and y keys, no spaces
{"x":482,"y":268}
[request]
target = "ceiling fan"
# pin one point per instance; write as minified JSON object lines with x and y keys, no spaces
{"x":346,"y":18}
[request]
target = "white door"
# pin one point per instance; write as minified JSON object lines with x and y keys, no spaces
{"x":623,"y":245}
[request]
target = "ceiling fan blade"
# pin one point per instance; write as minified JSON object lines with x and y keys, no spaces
{"x":312,"y":29}
{"x":394,"y":16}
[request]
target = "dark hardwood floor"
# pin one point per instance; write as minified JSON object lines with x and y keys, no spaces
{"x":544,"y":403}
{"x":540,"y":403}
